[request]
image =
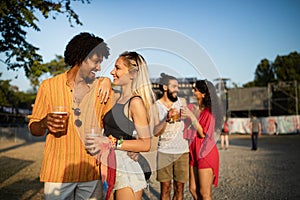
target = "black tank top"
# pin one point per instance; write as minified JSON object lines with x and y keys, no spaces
{"x":117,"y":124}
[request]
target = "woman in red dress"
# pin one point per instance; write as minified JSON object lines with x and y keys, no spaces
{"x":204,"y":119}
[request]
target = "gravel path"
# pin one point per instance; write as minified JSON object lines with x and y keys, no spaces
{"x":271,"y":172}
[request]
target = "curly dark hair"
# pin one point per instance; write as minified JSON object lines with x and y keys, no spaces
{"x":83,"y":46}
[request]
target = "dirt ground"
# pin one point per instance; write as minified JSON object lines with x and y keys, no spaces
{"x":271,"y":172}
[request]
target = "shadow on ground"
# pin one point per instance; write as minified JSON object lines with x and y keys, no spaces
{"x":23,"y":187}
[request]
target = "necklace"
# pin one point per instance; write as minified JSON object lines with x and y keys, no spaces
{"x":76,"y":111}
{"x":77,"y":98}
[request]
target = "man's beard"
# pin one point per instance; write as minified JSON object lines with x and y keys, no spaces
{"x":89,"y":80}
{"x":171,"y":97}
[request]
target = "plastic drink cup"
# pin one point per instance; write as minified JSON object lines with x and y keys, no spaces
{"x":93,"y":132}
{"x":61,"y":113}
{"x":180,"y":113}
{"x":176,"y":117}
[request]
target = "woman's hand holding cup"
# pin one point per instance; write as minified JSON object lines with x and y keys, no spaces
{"x":95,"y":143}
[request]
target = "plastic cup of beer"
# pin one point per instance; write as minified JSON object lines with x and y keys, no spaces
{"x":176,"y":116}
{"x":93,"y":131}
{"x":61,"y":112}
{"x":182,"y":108}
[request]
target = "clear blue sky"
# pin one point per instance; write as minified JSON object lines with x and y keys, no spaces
{"x":236,"y":34}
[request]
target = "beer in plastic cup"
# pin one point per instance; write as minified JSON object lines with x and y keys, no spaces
{"x":61,"y":113}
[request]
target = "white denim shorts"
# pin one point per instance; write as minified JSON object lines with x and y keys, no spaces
{"x":129,"y":173}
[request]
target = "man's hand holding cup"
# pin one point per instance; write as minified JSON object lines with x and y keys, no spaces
{"x":173,"y":115}
{"x":57,"y":121}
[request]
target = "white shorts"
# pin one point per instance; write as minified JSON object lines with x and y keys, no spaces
{"x":129,"y":173}
{"x":91,"y":190}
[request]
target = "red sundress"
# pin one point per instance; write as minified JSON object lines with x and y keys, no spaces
{"x":203,"y":151}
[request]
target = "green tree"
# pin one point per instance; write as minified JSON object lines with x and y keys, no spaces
{"x":286,"y":88}
{"x":16,"y":17}
{"x":4,"y":86}
{"x":54,"y":67}
{"x":264,"y":74}
{"x":26,"y":99}
{"x":287,"y":68}
{"x":284,"y":68}
{"x":10,"y":96}
{"x":7,"y":95}
{"x":284,"y":76}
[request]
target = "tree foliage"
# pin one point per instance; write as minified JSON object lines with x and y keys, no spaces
{"x":54,"y":67}
{"x":283,"y":78}
{"x":11,"y":97}
{"x":284,"y":68}
{"x":287,"y":68}
{"x":16,"y":17}
{"x":264,"y":73}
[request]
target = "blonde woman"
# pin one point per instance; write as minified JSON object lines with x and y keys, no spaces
{"x":127,"y":123}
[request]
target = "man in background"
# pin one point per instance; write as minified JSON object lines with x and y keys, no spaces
{"x":173,"y":149}
{"x":255,"y":131}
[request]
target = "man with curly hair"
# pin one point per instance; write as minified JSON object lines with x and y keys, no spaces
{"x":68,"y":170}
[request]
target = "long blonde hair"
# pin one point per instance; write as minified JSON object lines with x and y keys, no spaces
{"x":141,"y":85}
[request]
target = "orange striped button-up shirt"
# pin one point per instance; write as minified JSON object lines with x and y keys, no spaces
{"x":65,"y":158}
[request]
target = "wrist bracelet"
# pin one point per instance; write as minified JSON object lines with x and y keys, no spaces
{"x":113,"y":141}
{"x":119,"y":143}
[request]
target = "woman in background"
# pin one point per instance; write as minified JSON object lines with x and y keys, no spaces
{"x":225,"y":135}
{"x":204,"y":155}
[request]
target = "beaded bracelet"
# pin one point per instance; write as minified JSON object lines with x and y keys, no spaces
{"x":119,"y":143}
{"x":113,"y":141}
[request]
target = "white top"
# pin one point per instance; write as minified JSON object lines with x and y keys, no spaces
{"x":171,"y":141}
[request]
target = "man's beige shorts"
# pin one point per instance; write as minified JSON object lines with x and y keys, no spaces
{"x":172,"y":166}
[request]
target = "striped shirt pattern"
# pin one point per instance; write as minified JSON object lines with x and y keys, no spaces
{"x":65,"y":157}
